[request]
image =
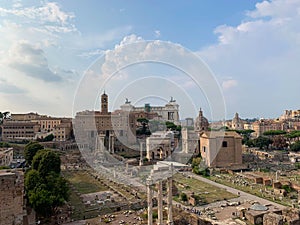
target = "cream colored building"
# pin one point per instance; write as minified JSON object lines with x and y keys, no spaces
{"x":47,"y":124}
{"x":290,"y":114}
{"x":32,"y":126}
{"x":169,"y":112}
{"x":24,"y":116}
{"x":63,"y":131}
{"x":263,"y":125}
{"x":221,"y":149}
{"x":6,"y":156}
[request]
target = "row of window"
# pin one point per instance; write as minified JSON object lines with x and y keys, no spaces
{"x":18,"y":132}
{"x":18,"y":136}
{"x":12,"y":127}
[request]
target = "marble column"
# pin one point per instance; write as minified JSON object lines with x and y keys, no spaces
{"x":149,"y":201}
{"x":109,"y":143}
{"x":159,"y":203}
{"x":169,"y":202}
{"x":101,"y":143}
{"x":113,"y":143}
{"x":141,"y":153}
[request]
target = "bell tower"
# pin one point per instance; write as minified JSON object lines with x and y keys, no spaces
{"x":104,"y":103}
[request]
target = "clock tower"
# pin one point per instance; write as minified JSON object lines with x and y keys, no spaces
{"x":104,"y":103}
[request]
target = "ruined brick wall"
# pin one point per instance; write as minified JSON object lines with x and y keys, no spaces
{"x":272,"y":219}
{"x":182,"y":217}
{"x":291,"y":216}
{"x":11,"y":197}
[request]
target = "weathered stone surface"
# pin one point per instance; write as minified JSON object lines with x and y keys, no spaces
{"x":11,"y":197}
{"x":272,"y":219}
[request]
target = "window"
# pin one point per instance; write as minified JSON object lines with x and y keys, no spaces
{"x":204,"y":148}
{"x":224,"y":144}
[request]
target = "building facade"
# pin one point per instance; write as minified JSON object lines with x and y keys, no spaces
{"x":6,"y":156}
{"x":105,"y":126}
{"x":264,"y":125}
{"x":221,"y":149}
{"x":32,"y":126}
{"x":19,"y":130}
{"x":169,"y":112}
{"x":160,"y":145}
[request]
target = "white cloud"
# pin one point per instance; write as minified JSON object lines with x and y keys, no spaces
{"x":262,"y":53}
{"x":157,"y":33}
{"x":151,"y":68}
{"x":275,"y":8}
{"x":50,"y":12}
{"x":228,"y":84}
{"x":31,"y":61}
{"x":42,"y":54}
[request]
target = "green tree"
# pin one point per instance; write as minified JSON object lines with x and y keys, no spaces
{"x":46,"y":161}
{"x":30,"y":150}
{"x":4,"y":145}
{"x":144,"y":130}
{"x":183,"y":197}
{"x":274,"y":132}
{"x":48,"y":194}
{"x":293,"y":135}
{"x":143,"y":120}
{"x":40,"y":200}
{"x":171,"y":125}
{"x":37,"y":159}
{"x":196,"y":162}
{"x":58,"y":187}
{"x":277,"y":137}
{"x":246,"y":134}
{"x":32,"y":179}
{"x":46,"y":189}
{"x":295,"y":147}
{"x":262,"y":142}
{"x":49,"y":137}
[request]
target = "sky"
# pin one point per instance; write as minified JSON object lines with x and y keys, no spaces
{"x":52,"y":54}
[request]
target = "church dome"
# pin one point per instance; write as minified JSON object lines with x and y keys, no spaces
{"x":201,"y":123}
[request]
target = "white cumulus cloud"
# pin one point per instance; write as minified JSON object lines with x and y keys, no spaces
{"x":262,"y":53}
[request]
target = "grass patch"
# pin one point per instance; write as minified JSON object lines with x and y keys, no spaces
{"x":83,"y":182}
{"x":205,"y":191}
{"x":129,"y":154}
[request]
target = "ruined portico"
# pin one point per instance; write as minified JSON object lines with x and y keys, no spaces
{"x":158,"y":174}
